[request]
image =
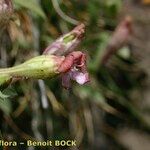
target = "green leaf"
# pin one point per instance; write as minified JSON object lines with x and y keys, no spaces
{"x":31,"y":5}
{"x":104,"y":38}
{"x":3,"y":96}
{"x":5,"y":104}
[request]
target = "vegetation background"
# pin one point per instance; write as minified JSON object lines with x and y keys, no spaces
{"x":109,"y":113}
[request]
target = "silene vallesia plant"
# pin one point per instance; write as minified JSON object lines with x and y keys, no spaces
{"x":60,"y":58}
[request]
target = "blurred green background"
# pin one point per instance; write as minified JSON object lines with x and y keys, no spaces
{"x":109,"y":113}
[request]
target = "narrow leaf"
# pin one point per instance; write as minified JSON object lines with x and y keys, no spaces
{"x":31,"y":5}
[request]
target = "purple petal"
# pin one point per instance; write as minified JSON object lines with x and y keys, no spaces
{"x":80,"y":77}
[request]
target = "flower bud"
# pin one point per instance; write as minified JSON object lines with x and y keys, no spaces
{"x":66,"y":43}
{"x":119,"y":38}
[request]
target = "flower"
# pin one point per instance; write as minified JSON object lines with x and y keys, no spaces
{"x":74,"y":65}
{"x":75,"y":75}
{"x":119,"y":38}
{"x":58,"y":59}
{"x":74,"y":68}
{"x":71,"y":67}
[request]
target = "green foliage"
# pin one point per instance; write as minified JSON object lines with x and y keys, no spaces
{"x":32,"y":5}
{"x":5,"y":103}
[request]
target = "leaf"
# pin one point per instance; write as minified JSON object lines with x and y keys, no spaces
{"x":5,"y":104}
{"x":3,"y":96}
{"x":5,"y":99}
{"x":10,"y":92}
{"x":113,"y":7}
{"x":114,"y":3}
{"x":104,"y":38}
{"x":31,"y":5}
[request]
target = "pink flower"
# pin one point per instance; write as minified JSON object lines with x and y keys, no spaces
{"x":74,"y":65}
{"x":74,"y":68}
